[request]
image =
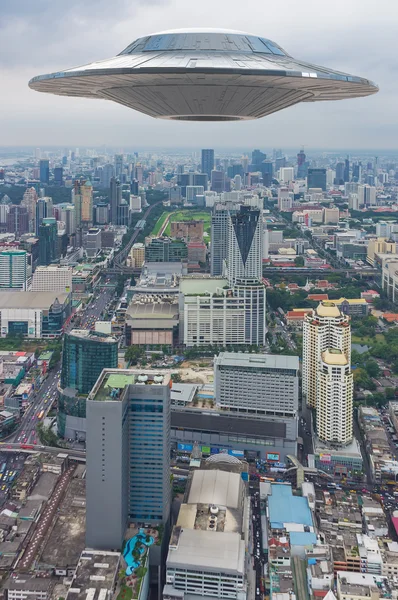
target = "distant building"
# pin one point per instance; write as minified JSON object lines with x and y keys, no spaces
{"x":17,"y":219}
{"x":44,"y":166}
{"x":48,"y":241}
{"x":137,"y":255}
{"x":366,"y":195}
{"x":217,"y":181}
{"x":316,"y":178}
{"x":207,"y":162}
{"x":13,"y":270}
{"x":191,"y":231}
{"x":165,"y":249}
{"x":197,"y":252}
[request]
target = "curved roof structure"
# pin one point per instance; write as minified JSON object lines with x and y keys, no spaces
{"x":204,"y":75}
{"x":223,"y":458}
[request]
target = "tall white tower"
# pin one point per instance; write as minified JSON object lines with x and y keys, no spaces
{"x":324,"y":329}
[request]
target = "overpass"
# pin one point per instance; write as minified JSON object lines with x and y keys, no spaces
{"x":78,"y":455}
{"x":367,"y":272}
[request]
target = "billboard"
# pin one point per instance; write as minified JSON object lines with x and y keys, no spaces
{"x":237,"y":453}
{"x":184,"y":447}
{"x":206,"y":449}
{"x":214,"y":450}
{"x":273,"y":456}
{"x":326,"y":458}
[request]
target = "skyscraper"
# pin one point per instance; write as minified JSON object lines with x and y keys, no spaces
{"x":301,"y":165}
{"x":245,"y":243}
{"x":82,"y":197}
{"x":316,"y":178}
{"x":217,"y":181}
{"x":340,"y":166}
{"x":59,"y":176}
{"x":119,"y":166}
{"x":128,"y":454}
{"x":257,"y":158}
{"x":366,"y":195}
{"x":207,"y":162}
{"x":48,"y":241}
{"x":44,"y":166}
{"x":346,"y":174}
{"x":18,"y":220}
{"x":325,"y":328}
{"x":29,"y":200}
{"x":115,"y":199}
{"x":13,"y":270}
{"x":44,"y":210}
{"x":108,"y":171}
{"x":85,"y":353}
{"x":219,"y":237}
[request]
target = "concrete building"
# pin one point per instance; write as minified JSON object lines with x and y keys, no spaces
{"x":34,"y":314}
{"x":92,"y":242}
{"x":192,"y":193}
{"x":95,"y":576}
{"x":29,"y":588}
{"x":13,"y":270}
{"x":128,"y":454}
{"x":390,"y":278}
{"x":334,"y":403}
{"x":190,"y":231}
{"x":245,"y":245}
{"x":261,"y":384}
{"x":54,"y":278}
{"x":207,"y":555}
{"x":285,"y":199}
{"x":82,"y":198}
{"x":137,"y":255}
{"x":366,"y":195}
{"x":324,"y":328}
{"x":165,"y":249}
{"x":219,"y":237}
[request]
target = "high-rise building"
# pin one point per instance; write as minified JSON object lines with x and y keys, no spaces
{"x":119,"y":166}
{"x":217,"y":181}
{"x":346,"y":174}
{"x":65,"y":212}
{"x":207,"y":162}
{"x":48,"y":241}
{"x":285,"y":199}
{"x":316,"y":178}
{"x":29,"y":200}
{"x":53,"y":278}
{"x":366,"y":195}
{"x":192,"y":192}
{"x":115,"y":198}
{"x":123,"y":214}
{"x":301,"y":165}
{"x":286,"y":174}
{"x":257,"y":158}
{"x":340,"y":167}
{"x":82,"y":197}
{"x":324,"y":328}
{"x":108,"y":171}
{"x":44,"y":166}
{"x":59,"y":176}
{"x":128,"y":454}
{"x":219,"y":237}
{"x":334,"y":401}
{"x":13,"y":270}
{"x":44,"y":210}
{"x":245,"y":244}
{"x":85,"y":353}
{"x":102,"y":213}
{"x":18,"y":220}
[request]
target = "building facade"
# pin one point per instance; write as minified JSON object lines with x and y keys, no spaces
{"x":52,"y":278}
{"x":207,"y":161}
{"x":13,"y":270}
{"x":245,"y":245}
{"x":166,"y":250}
{"x":128,"y":454}
{"x":48,"y":241}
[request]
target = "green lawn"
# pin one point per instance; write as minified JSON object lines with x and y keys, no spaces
{"x":357,"y":339}
{"x":184,"y":215}
{"x":159,"y":223}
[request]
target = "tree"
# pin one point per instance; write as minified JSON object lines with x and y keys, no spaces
{"x":299,"y":261}
{"x":176,"y":378}
{"x":133,"y":354}
{"x":372,"y":368}
{"x":389,"y":393}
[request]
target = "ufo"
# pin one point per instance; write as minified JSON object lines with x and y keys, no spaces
{"x":204,"y":75}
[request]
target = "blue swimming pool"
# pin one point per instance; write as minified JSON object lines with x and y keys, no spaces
{"x":138,"y":542}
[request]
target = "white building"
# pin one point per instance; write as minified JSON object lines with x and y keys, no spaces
{"x":353,"y":202}
{"x":334,"y":403}
{"x":285,"y":199}
{"x":286,"y":174}
{"x":135,"y":203}
{"x":207,"y":554}
{"x":324,"y":328}
{"x":262,"y":384}
{"x":192,"y":191}
{"x":29,"y":588}
{"x":367,"y":195}
{"x":52,"y":279}
{"x":13,"y":270}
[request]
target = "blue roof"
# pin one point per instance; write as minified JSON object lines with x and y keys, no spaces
{"x":286,"y":508}
{"x":302,"y":538}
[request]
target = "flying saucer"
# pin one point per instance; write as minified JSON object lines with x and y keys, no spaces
{"x":204,"y":75}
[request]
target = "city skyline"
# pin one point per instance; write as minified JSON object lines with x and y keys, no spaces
{"x":356,"y":123}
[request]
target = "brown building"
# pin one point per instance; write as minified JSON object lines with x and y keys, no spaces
{"x":190,"y":231}
{"x":196,"y":252}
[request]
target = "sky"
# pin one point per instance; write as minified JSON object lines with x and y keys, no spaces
{"x":42,"y":36}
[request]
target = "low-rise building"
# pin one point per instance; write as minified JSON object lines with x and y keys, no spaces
{"x":95,"y":576}
{"x":29,"y":588}
{"x":53,"y":278}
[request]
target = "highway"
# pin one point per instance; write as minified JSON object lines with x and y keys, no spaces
{"x":44,"y":397}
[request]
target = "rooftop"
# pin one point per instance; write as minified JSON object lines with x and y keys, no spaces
{"x":95,"y":576}
{"x":216,"y":487}
{"x":271,"y":361}
{"x":286,"y":508}
{"x":93,"y":336}
{"x":32,"y":300}
{"x":111,"y":382}
{"x":334,"y":357}
{"x":327,"y":309}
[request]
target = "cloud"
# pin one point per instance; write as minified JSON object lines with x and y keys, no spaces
{"x":39,"y":36}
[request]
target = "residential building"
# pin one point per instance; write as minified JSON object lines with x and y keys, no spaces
{"x":286,"y":174}
{"x":164,"y":249}
{"x":197,"y":252}
{"x":324,"y":328}
{"x":65,"y":212}
{"x":285,"y":199}
{"x":115,"y":198}
{"x":53,"y":278}
{"x":192,"y":193}
{"x":29,"y":200}
{"x":28,"y":587}
{"x":34,"y":314}
{"x":334,"y":403}
{"x":13,"y":270}
{"x":390,"y":278}
{"x":207,"y":162}
{"x":128,"y":454}
{"x":207,"y":547}
{"x":219,"y":238}
{"x":217,"y":183}
{"x":48,"y":241}
{"x":17,"y":220}
{"x":261,"y":384}
{"x":85,"y":354}
{"x":380,"y":246}
{"x":82,"y":198}
{"x":96,"y":576}
{"x":137,"y":255}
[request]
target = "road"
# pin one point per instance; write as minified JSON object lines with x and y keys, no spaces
{"x":44,"y":397}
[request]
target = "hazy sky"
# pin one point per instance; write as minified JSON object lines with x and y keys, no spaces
{"x":42,"y":36}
